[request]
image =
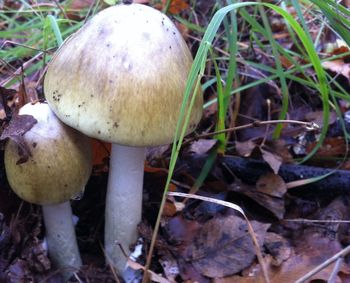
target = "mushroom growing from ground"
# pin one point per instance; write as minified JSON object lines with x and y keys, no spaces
{"x":121,"y":79}
{"x":57,"y":170}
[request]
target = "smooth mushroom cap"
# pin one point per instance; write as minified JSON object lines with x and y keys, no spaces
{"x":122,"y":76}
{"x":60,"y":164}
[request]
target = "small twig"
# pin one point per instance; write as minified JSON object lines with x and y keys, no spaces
{"x":63,"y":12}
{"x":310,"y":126}
{"x":268,"y":104}
{"x":20,"y":44}
{"x":323,"y":265}
{"x":336,"y":268}
{"x":110,"y":265}
{"x":23,"y":67}
{"x":315,"y":221}
{"x":90,"y":9}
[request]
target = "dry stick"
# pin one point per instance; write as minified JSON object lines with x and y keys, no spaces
{"x":310,"y":126}
{"x":23,"y":67}
{"x":268,"y":104}
{"x":63,"y":12}
{"x":335,"y":270}
{"x":306,"y":221}
{"x":323,"y":265}
{"x":20,"y":44}
{"x":239,"y":209}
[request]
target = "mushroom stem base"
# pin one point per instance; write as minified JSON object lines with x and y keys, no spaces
{"x":60,"y":234}
{"x":123,"y":202}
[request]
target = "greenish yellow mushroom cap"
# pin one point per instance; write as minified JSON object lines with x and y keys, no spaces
{"x":60,"y":164}
{"x":122,"y":76}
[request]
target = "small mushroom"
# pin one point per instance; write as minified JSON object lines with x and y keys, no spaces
{"x":121,"y":79}
{"x":57,"y":170}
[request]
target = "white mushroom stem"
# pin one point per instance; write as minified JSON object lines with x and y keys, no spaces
{"x":60,"y":234}
{"x":123,"y":202}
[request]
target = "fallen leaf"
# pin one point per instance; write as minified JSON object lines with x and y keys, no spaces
{"x":100,"y":152}
{"x":201,"y":146}
{"x":293,"y":269}
{"x":80,"y":4}
{"x":268,"y":192}
{"x":224,"y":247}
{"x":5,"y":96}
{"x":181,"y":232}
{"x":331,"y":147}
{"x":338,"y":66}
{"x":274,"y":160}
{"x":18,"y":126}
{"x":278,"y":247}
{"x":245,"y":148}
{"x":176,"y":6}
{"x":272,"y":185}
{"x":317,"y":117}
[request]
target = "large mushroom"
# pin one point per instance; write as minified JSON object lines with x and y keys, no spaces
{"x":57,"y":170}
{"x":121,"y":79}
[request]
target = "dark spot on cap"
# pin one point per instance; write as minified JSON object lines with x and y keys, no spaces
{"x":34,"y":144}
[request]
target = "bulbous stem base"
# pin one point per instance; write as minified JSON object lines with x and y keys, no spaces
{"x":61,"y":239}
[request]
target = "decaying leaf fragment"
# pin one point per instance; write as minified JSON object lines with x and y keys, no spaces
{"x":18,"y":126}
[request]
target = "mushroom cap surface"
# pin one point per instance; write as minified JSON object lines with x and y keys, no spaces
{"x":122,"y":76}
{"x":60,"y":162}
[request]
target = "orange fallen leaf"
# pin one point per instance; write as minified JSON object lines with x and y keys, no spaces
{"x":176,"y":6}
{"x":100,"y":152}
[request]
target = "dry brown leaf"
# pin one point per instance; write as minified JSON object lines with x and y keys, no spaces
{"x":202,"y":146}
{"x":245,"y":148}
{"x":100,"y":152}
{"x":289,"y":272}
{"x":338,"y":66}
{"x":274,"y":160}
{"x":278,"y":247}
{"x":177,"y":6}
{"x":317,"y":117}
{"x":268,"y":192}
{"x":80,"y":4}
{"x":223,"y":246}
{"x":331,"y":147}
{"x":272,"y":185}
{"x":17,"y":127}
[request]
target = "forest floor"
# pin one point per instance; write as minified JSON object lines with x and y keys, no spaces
{"x":273,"y":196}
